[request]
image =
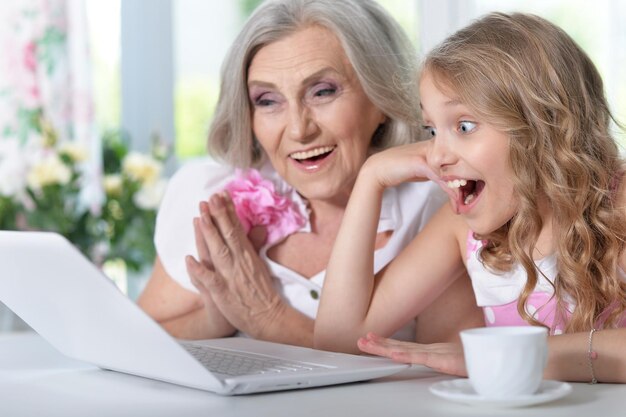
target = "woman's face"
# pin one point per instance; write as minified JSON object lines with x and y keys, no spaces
{"x":310,"y":114}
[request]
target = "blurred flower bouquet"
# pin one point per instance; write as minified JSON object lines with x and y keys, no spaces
{"x":133,"y":185}
{"x":44,"y":187}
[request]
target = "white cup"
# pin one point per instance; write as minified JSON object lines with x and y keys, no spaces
{"x":504,"y":362}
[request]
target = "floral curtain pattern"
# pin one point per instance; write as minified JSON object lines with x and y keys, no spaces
{"x":45,"y":99}
{"x":45,"y":72}
{"x":45,"y":87}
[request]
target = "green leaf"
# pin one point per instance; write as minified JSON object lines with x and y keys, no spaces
{"x":50,"y":47}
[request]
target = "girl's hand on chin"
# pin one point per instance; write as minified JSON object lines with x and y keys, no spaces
{"x":400,"y":164}
{"x":442,"y":357}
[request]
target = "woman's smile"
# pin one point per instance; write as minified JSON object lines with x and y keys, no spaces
{"x":313,"y":159}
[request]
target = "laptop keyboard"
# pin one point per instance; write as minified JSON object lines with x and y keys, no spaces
{"x":234,"y":363}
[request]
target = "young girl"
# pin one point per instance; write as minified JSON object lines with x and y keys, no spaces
{"x":521,"y":141}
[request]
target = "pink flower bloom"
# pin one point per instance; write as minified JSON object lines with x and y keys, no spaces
{"x":258,"y":204}
{"x":30,"y":56}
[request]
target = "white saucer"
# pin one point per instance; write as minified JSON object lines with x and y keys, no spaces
{"x":460,"y":390}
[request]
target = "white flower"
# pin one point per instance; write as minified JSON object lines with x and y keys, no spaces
{"x":76,"y":151}
{"x":49,"y":170}
{"x":150,"y":194}
{"x":112,"y":184}
{"x":12,"y":168}
{"x":142,"y":168}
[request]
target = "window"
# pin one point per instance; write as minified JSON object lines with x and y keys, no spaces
{"x":202,"y":31}
{"x":103,"y":19}
{"x":200,"y":44}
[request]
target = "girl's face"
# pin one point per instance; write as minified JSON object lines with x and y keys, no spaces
{"x":471,"y":157}
{"x":310,"y":114}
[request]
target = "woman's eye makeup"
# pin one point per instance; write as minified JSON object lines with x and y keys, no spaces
{"x":265,"y":99}
{"x":323,"y":90}
{"x":466,"y":126}
{"x":319,"y":91}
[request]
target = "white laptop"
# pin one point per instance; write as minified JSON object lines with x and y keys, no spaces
{"x":77,"y":309}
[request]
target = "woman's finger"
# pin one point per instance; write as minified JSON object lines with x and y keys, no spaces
{"x":257,"y":234}
{"x":228,"y":225}
{"x":205,"y":280}
{"x":201,"y":246}
{"x":216,"y":245}
{"x":230,"y":208}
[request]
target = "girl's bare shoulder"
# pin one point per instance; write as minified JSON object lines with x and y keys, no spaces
{"x":451,"y":225}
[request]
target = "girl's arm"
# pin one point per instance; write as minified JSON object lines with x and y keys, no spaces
{"x":568,"y":355}
{"x":354,"y":301}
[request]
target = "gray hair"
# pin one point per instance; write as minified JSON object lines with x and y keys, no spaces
{"x":382,"y":56}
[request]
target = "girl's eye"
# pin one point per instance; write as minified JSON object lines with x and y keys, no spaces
{"x":467,"y":127}
{"x":430,"y":131}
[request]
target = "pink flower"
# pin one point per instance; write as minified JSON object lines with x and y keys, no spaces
{"x":258,"y":204}
{"x":30,"y":56}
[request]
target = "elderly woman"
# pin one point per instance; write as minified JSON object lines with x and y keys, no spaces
{"x":310,"y":89}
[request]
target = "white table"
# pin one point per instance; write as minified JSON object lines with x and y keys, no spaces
{"x":36,"y":380}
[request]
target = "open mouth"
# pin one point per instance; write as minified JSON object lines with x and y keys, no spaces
{"x":312,"y":156}
{"x":469,"y":190}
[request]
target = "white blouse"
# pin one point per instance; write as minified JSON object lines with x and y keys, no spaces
{"x":405,"y":210}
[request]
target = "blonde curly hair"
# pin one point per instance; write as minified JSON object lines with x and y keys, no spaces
{"x":528,"y":78}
